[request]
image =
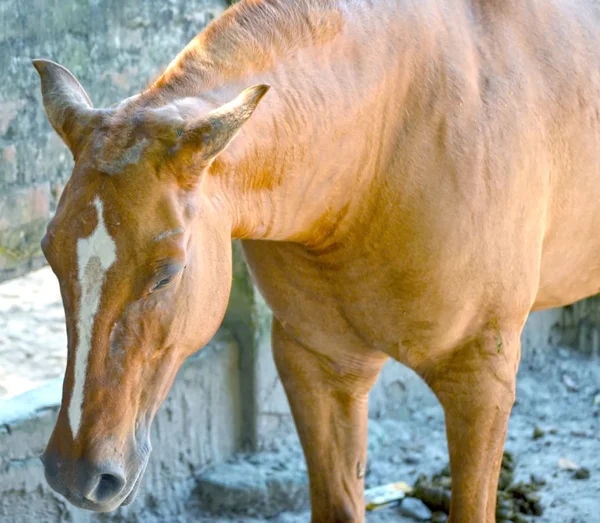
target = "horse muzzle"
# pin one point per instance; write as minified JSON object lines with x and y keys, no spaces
{"x":100,"y":486}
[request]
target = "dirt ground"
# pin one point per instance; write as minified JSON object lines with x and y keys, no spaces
{"x":556,"y":418}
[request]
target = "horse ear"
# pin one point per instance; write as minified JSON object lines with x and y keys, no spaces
{"x":208,"y":136}
{"x":67,"y":105}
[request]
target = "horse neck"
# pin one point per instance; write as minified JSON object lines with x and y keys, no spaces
{"x":299,"y":170}
{"x":280,"y":178}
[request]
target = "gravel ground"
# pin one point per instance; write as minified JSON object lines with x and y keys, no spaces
{"x":558,"y":398}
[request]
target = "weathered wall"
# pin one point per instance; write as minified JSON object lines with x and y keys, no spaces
{"x":580,"y":326}
{"x":115,"y":48}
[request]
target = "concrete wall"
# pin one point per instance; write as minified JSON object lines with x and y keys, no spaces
{"x":580,"y":326}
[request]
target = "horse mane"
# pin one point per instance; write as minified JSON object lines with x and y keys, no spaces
{"x":249,"y":38}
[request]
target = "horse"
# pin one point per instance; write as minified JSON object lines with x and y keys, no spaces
{"x":409,"y":180}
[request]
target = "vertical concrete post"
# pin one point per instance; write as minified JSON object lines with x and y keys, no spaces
{"x":248,"y":318}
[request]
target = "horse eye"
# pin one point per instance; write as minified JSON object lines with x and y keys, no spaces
{"x":162,"y":283}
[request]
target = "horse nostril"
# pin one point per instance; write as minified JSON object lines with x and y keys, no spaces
{"x":110,"y":483}
{"x":106,"y":487}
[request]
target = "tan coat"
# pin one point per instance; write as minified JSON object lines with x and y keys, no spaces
{"x":419,"y":177}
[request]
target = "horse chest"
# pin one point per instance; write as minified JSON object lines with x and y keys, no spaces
{"x":354,"y":305}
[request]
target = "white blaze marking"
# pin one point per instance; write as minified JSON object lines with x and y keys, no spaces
{"x":95,"y":254}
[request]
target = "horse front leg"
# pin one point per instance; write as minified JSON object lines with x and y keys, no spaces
{"x":476,"y":387}
{"x":328,"y":399}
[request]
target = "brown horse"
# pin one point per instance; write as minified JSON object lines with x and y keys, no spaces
{"x":420,"y":176}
